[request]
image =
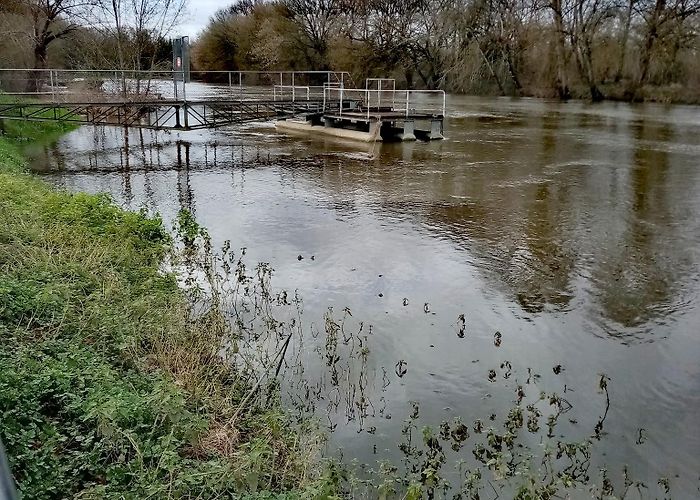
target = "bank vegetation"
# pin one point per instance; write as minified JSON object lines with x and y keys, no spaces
{"x":112,"y":384}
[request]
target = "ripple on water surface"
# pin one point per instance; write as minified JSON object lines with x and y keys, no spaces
{"x":572,"y":230}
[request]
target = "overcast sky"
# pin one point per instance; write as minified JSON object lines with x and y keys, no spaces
{"x":197,"y":16}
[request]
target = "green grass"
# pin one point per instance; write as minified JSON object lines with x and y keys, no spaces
{"x":108,"y":387}
{"x":22,"y":132}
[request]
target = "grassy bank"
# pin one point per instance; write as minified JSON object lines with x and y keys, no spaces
{"x":109,"y":387}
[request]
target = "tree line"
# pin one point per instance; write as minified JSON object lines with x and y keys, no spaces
{"x":95,"y":34}
{"x":620,"y":49}
{"x":596,"y":49}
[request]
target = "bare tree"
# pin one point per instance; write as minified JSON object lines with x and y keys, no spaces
{"x":135,"y":24}
{"x":527,"y":47}
{"x":625,"y":15}
{"x":562,"y":81}
{"x":317,"y":21}
{"x":660,"y":19}
{"x":52,"y":20}
{"x":587,"y":18}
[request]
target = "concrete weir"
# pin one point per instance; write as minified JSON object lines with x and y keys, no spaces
{"x":375,"y":126}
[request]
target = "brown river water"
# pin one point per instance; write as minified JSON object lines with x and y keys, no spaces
{"x":572,"y":229}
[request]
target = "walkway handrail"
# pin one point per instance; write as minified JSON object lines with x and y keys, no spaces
{"x":401,"y":99}
{"x":69,"y":82}
{"x":440,"y":93}
{"x":293,"y":87}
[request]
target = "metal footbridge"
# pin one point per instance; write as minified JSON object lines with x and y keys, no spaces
{"x":166,"y":113}
{"x":165,"y":99}
{"x":179,"y":100}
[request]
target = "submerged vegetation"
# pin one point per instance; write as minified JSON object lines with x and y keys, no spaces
{"x":140,"y":363}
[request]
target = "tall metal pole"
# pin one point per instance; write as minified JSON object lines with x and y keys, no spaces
{"x":175,"y":83}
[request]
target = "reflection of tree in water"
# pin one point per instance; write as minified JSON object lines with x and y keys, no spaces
{"x":638,"y":279}
{"x":529,"y":226}
{"x":519,"y":229}
{"x":521,"y":246}
{"x":185,"y":195}
{"x":530,"y":206}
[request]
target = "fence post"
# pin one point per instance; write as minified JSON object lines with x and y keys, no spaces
{"x":369,"y":97}
{"x":240,"y":86}
{"x":341,"y":100}
{"x":230,"y":91}
{"x":51,"y":81}
{"x":408,"y":92}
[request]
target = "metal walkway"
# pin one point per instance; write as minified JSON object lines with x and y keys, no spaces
{"x":178,"y":100}
{"x":167,"y":114}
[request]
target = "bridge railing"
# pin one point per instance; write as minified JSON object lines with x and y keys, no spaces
{"x":372,"y":101}
{"x":109,"y":86}
{"x":61,"y":85}
{"x":291,"y":92}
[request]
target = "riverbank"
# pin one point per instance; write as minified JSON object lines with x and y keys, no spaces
{"x":621,"y":92}
{"x":109,"y":387}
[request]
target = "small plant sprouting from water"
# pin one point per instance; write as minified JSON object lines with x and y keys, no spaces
{"x":327,"y":374}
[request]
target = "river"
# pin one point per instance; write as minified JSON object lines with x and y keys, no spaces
{"x":571,"y":229}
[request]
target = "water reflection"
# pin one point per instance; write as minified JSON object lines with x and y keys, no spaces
{"x":573,"y":229}
{"x":525,"y":212}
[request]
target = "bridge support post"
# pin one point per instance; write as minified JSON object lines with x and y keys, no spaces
{"x":185,"y":116}
{"x":177,"y":117}
{"x":409,"y":131}
{"x":436,"y":129}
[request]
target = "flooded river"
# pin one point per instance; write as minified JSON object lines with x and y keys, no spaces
{"x":572,"y":229}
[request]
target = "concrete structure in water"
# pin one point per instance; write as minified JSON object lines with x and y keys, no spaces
{"x":375,"y":114}
{"x":383,"y":126}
